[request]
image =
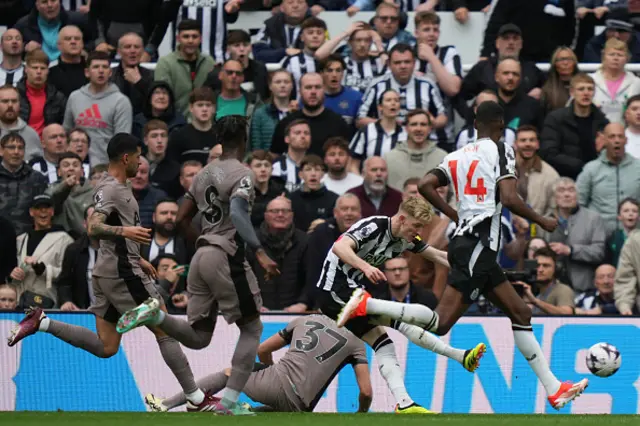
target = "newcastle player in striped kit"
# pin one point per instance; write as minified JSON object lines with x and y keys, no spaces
{"x":354,"y":259}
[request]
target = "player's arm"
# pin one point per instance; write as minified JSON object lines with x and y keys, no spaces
{"x":512,"y":201}
{"x":98,"y":229}
{"x":186,"y":213}
{"x":345,"y":247}
{"x":269,"y":346}
{"x":434,"y":255}
{"x":363,"y":379}
{"x":427,"y":188}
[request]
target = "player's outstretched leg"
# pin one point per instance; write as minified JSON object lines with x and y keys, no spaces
{"x":559,"y":394}
{"x":211,"y":384}
{"x":361,"y":303}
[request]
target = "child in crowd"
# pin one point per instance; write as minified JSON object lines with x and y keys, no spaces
{"x":628,"y":218}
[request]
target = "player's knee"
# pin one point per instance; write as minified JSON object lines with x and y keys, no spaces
{"x":443,"y":328}
{"x":109,"y":350}
{"x":252,"y":326}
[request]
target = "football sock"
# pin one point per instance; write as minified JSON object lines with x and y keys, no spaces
{"x":426,"y":340}
{"x":213,"y":383}
{"x":183,"y":332}
{"x":411,"y":313}
{"x":242,"y":361}
{"x":178,"y":363}
{"x":391,"y":371}
{"x":195,"y":397}
{"x":74,"y":335}
{"x":530,"y":349}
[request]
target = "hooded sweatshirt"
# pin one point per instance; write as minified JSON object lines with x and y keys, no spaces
{"x":101,"y":115}
{"x":171,"y":117}
{"x":17,"y":190}
{"x":70,"y":203}
{"x":404,"y":163}
{"x":33,"y":147}
{"x":311,"y":205}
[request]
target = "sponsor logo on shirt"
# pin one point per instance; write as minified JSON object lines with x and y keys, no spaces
{"x":91,"y":117}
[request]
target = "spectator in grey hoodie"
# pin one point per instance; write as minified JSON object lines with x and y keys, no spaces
{"x":10,"y":121}
{"x":99,"y":108}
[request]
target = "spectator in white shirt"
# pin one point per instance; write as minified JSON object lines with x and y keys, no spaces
{"x":336,"y":157}
{"x":632,"y":118}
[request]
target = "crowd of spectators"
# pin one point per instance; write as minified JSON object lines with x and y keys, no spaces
{"x":343,"y":129}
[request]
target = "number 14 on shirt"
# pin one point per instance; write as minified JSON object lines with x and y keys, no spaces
{"x":479,"y":190}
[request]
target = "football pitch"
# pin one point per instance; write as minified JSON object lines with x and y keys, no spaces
{"x":306,"y":419}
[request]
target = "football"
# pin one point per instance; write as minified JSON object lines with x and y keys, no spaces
{"x":603,"y":359}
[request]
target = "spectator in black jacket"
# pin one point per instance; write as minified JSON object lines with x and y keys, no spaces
{"x":267,"y":189}
{"x":256,"y":76}
{"x":74,"y":282}
{"x":50,"y":13}
{"x":147,"y":195}
{"x":345,"y":213}
{"x":399,"y":287}
{"x":570,"y":135}
{"x":164,"y":172}
{"x":133,"y":80}
{"x":159,"y":104}
{"x":165,"y":239}
{"x":8,"y":260}
{"x":312,"y":201}
{"x":287,"y":246}
{"x":67,"y":72}
{"x":519,"y":108}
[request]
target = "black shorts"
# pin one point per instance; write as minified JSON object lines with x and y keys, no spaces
{"x":332,"y":307}
{"x":474,"y":268}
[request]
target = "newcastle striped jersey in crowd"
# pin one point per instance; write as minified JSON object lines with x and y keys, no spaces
{"x":287,"y":170}
{"x":372,"y":140}
{"x":468,"y":134}
{"x":358,"y":75}
{"x":50,"y":170}
{"x":374,"y":244}
{"x":474,"y":172}
{"x":418,"y":93}
{"x":298,"y":65}
{"x":450,"y":58}
{"x":71,"y":5}
{"x":11,"y":77}
{"x":291,"y":35}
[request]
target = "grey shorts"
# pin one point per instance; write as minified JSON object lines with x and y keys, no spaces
{"x":265,"y":387}
{"x":115,"y":296}
{"x":219,"y":281}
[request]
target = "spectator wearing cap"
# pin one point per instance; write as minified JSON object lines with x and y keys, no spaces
{"x":313,"y":200}
{"x":19,"y":183}
{"x":40,"y":253}
{"x":164,"y":172}
{"x":71,"y":195}
{"x":376,"y":197}
{"x":176,"y":69}
{"x":618,"y":26}
{"x":160,"y":105}
{"x":260,"y":162}
{"x":74,"y":284}
{"x":287,"y":246}
{"x":8,"y":243}
{"x":256,"y":75}
{"x":508,"y":43}
{"x":147,"y":195}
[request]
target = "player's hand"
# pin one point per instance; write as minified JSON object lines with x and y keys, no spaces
{"x":148,"y":269}
{"x":461,"y":14}
{"x":17,"y":274}
{"x":549,"y":224}
{"x":180,"y":300}
{"x":138,"y":234}
{"x":268,"y":264}
{"x":68,"y":307}
{"x":374,"y":274}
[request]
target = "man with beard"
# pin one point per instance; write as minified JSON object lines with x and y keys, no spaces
{"x":323,"y":122}
{"x":11,"y":67}
{"x":519,"y":109}
{"x":345,"y":213}
{"x":287,"y":167}
{"x":165,"y":239}
{"x":376,"y":197}
{"x":336,"y":156}
{"x":10,"y":121}
{"x":164,"y":172}
{"x":536,"y":176}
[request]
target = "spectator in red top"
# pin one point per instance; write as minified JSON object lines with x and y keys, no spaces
{"x":41,"y":103}
{"x":376,"y":197}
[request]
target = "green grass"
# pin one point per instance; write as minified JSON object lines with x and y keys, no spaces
{"x":307,"y":419}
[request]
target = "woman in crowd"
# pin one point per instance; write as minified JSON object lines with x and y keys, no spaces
{"x":266,"y":117}
{"x":555,"y":91}
{"x":161,"y":106}
{"x":614,"y":85}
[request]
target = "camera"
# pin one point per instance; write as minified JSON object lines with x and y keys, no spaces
{"x":527,"y":274}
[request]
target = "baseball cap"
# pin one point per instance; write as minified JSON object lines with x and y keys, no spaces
{"x":41,"y":201}
{"x":620,"y":23}
{"x":509,"y":29}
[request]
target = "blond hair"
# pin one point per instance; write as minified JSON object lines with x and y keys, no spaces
{"x":418,"y":208}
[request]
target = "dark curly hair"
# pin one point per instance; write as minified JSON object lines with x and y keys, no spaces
{"x":231,"y":132}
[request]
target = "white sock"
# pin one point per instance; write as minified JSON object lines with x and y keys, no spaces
{"x":392,"y":373}
{"x":530,"y":349}
{"x":44,"y":324}
{"x":411,"y":313}
{"x":230,"y":397}
{"x":195,"y":397}
{"x":429,"y":341}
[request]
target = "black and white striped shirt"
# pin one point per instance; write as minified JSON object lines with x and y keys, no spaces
{"x":469,"y":134}
{"x":358,"y":75}
{"x":11,"y":76}
{"x":450,"y":58}
{"x":287,"y":170}
{"x":211,"y":15}
{"x":71,"y":5}
{"x":291,"y":35}
{"x":298,"y":65}
{"x":374,"y":244}
{"x":418,"y":93}
{"x":373,"y":140}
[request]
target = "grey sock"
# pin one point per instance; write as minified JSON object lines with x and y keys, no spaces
{"x":182,"y":331}
{"x":77,"y":336}
{"x":244,"y":356}
{"x":177,"y":361}
{"x":212,"y":383}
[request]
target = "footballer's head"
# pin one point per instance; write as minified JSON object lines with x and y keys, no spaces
{"x":231,"y":131}
{"x":490,"y":120}
{"x":124,"y":150}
